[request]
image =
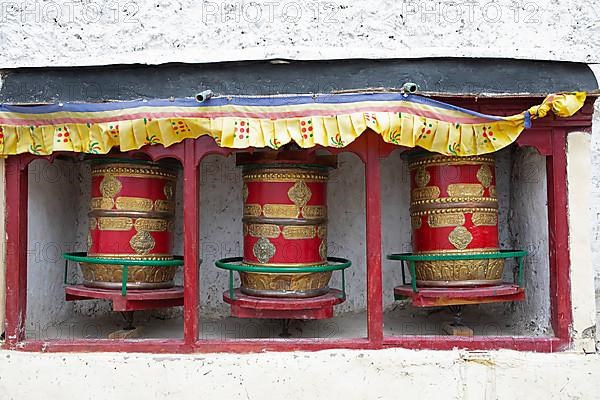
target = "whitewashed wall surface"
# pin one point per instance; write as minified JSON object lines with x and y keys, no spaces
{"x":98,"y":32}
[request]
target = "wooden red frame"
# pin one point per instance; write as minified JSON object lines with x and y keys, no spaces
{"x":548,"y":136}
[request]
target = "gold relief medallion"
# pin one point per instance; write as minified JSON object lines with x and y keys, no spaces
{"x":484,"y":219}
{"x":151,"y":224}
{"x":465,"y":190}
{"x":115,"y":223}
{"x":322,"y":231}
{"x":263,"y":250}
{"x":281,"y":211}
{"x":415,"y":221}
{"x":484,"y":175}
{"x":263,"y":230}
{"x":460,"y":237}
{"x":492,"y":190}
{"x":445,"y":220}
{"x":252,"y":210}
{"x":110,"y":186}
{"x":169,"y":190}
{"x":422,"y":177}
{"x":323,"y":250}
{"x":245,"y":192}
{"x":299,"y":232}
{"x":142,"y":242}
{"x":313,"y":212}
{"x":426,"y":193}
{"x":299,"y":194}
{"x":134,"y":203}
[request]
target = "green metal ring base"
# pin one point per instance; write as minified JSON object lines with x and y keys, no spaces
{"x":82,"y":257}
{"x":411,"y":258}
{"x":235,"y":264}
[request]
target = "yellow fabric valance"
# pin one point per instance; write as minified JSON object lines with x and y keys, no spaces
{"x":241,"y":122}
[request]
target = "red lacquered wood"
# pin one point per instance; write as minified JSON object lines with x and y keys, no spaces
{"x":373,"y":227}
{"x":134,"y":300}
{"x":16,"y":249}
{"x":159,"y":346}
{"x":537,"y":344}
{"x":436,"y":297}
{"x":191,"y":243}
{"x":276,"y":344}
{"x":558,"y":234}
{"x":320,"y":307}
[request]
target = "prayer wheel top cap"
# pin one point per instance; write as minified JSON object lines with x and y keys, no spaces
{"x":285,"y":158}
{"x":165,"y":165}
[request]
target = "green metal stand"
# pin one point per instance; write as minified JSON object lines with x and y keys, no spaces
{"x":81,"y":257}
{"x":235,"y":264}
{"x":412,"y":258}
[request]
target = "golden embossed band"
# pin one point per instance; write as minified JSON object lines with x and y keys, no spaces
{"x":281,"y":211}
{"x":425,"y":193}
{"x":484,"y":219}
{"x":465,"y":190}
{"x":284,"y":175}
{"x":314,"y":212}
{"x":115,"y":223}
{"x":102,"y":203}
{"x":263,"y":230}
{"x":453,"y":210}
{"x":151,"y":224}
{"x":299,"y":232}
{"x":164,"y":205}
{"x":445,"y":160}
{"x":252,"y":210}
{"x":449,"y":200}
{"x":153,"y":257}
{"x":134,"y":203}
{"x":128,"y":171}
{"x":445,"y":220}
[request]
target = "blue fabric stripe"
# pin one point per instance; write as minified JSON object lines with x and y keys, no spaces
{"x":242,"y":101}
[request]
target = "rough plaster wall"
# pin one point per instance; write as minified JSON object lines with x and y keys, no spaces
{"x":52,"y":210}
{"x":528,"y":221}
{"x":67,"y":33}
{"x":380,"y":374}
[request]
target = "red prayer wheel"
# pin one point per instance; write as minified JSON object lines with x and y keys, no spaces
{"x":131,"y":217}
{"x":285,"y":223}
{"x":454,"y":210}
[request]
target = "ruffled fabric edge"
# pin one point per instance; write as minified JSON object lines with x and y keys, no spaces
{"x":445,"y":135}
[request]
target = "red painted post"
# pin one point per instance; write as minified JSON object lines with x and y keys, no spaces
{"x":16,"y":250}
{"x":558,"y":234}
{"x":373,"y":216}
{"x":191,"y":229}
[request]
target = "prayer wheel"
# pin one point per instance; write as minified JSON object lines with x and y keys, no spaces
{"x":285,"y":223}
{"x":454,"y":210}
{"x":131,"y":217}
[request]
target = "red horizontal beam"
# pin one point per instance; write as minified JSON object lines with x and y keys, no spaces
{"x":537,"y":344}
{"x":163,"y":346}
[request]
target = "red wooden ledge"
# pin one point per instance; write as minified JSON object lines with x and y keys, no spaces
{"x":320,"y":307}
{"x":134,"y":300}
{"x":432,"y":297}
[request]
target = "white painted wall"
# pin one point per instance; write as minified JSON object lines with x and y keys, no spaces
{"x":68,"y":33}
